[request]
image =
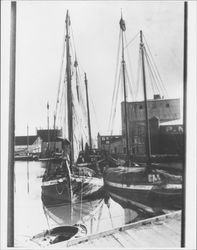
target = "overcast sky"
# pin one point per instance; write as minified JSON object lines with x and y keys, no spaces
{"x":40,"y":29}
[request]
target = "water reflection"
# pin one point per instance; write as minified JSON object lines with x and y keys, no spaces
{"x":32,"y":216}
{"x":73,"y":213}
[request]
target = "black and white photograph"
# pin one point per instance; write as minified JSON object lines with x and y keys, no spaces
{"x":98,"y":124}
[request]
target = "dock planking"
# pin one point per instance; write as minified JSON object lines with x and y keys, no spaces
{"x":159,"y":232}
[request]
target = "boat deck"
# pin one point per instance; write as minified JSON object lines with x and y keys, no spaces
{"x":158,"y":232}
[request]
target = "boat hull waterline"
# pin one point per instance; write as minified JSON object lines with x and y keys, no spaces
{"x":57,"y":192}
{"x":164,"y":192}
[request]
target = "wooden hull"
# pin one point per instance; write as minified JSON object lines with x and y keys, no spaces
{"x":139,"y":189}
{"x":66,"y":188}
{"x":24,"y":158}
{"x":56,"y":193}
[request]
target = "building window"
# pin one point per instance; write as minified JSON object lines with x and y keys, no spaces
{"x":140,"y":107}
{"x":107,"y":142}
{"x":103,"y":139}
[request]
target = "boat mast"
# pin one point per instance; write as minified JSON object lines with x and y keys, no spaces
{"x":123,"y":28}
{"x":77,"y":81}
{"x":27,"y":140}
{"x":27,"y":159}
{"x":48,"y":135}
{"x":69,"y":90}
{"x":87,"y":101}
{"x":148,"y":145}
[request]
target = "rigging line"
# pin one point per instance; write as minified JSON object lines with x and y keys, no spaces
{"x":138,"y":74}
{"x":129,"y":83}
{"x":169,"y":111}
{"x":78,"y":121}
{"x":113,"y":102}
{"x":114,"y":113}
{"x":115,"y":77}
{"x":61,"y":102}
{"x":62,"y":112}
{"x":61,"y":69}
{"x":162,"y":90}
{"x":93,"y":107}
{"x":129,"y":61}
{"x":132,"y":40}
{"x":152,"y":79}
{"x":72,"y":54}
{"x":158,"y":76}
{"x":155,"y":65}
{"x":79,"y":106}
{"x":151,"y":58}
{"x":81,"y":95}
{"x":72,"y":34}
{"x":81,"y":89}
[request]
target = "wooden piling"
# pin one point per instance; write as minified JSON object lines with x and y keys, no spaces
{"x":11,"y":132}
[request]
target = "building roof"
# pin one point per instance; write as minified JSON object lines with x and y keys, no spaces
{"x":174,"y":122}
{"x":22,"y":140}
{"x":154,"y":100}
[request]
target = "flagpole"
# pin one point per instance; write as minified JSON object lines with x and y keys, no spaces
{"x":11,"y":136}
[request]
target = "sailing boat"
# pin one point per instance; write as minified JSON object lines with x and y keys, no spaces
{"x":63,"y":182}
{"x":144,"y":186}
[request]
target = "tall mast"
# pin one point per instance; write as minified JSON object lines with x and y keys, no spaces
{"x":27,"y":159}
{"x":27,"y":140}
{"x":87,"y":101}
{"x":69,"y":90}
{"x":148,"y":146}
{"x":123,"y":28}
{"x":54,"y":121}
{"x":55,"y":132}
{"x":77,"y":80}
{"x":48,"y":135}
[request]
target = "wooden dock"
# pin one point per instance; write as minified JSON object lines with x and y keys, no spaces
{"x":158,"y":232}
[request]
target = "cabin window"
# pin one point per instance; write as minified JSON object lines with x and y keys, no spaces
{"x":169,"y":129}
